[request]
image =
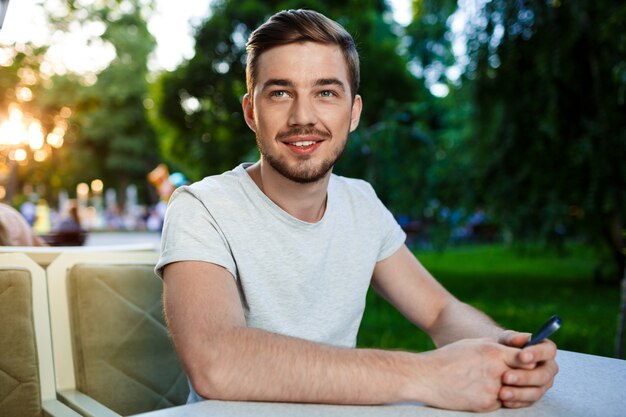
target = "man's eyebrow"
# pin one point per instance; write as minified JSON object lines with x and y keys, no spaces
{"x":280,"y":82}
{"x":330,"y":81}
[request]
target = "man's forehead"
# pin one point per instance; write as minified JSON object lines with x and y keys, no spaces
{"x":302,"y":62}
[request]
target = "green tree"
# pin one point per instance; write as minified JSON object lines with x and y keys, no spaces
{"x":21,"y":86}
{"x":550,"y":93}
{"x":114,"y":139}
{"x":110,"y":137}
{"x":425,"y":171}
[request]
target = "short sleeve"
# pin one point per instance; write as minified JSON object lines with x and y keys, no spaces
{"x":190,"y":233}
{"x":392,"y":237}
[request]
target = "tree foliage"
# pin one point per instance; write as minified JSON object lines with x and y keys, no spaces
{"x":113,"y":120}
{"x":22,"y":84}
{"x":110,"y":136}
{"x":550,"y":96}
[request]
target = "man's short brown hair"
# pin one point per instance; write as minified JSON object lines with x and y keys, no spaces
{"x":292,"y":26}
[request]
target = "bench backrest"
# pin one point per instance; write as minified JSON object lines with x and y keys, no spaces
{"x":123,"y":356}
{"x":19,"y":377}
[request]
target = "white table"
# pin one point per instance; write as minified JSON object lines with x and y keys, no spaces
{"x":586,"y":386}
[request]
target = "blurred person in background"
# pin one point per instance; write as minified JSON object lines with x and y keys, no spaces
{"x":29,"y":211}
{"x":70,"y":221}
{"x":15,"y":231}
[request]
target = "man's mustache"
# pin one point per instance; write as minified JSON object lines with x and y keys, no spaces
{"x":303,"y":131}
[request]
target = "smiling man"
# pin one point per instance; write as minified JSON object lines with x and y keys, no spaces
{"x":302,"y":110}
{"x":266,"y":267}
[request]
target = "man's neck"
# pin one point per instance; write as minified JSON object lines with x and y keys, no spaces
{"x":306,"y":202}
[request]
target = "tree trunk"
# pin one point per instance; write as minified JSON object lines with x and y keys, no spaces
{"x":615,"y":237}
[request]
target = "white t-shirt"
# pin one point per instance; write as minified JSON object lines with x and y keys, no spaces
{"x":307,"y":280}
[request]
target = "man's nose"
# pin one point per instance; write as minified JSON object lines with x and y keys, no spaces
{"x":302,"y":113}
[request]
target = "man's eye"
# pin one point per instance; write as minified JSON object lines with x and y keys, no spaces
{"x":278,"y":93}
{"x":327,"y":93}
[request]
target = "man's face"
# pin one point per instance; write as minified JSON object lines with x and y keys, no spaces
{"x":302,"y":109}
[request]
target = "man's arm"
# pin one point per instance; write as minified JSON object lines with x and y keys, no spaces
{"x":403,"y":281}
{"x":406,"y":284}
{"x":226,"y":360}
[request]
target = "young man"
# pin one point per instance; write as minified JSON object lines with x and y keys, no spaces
{"x":266,"y":267}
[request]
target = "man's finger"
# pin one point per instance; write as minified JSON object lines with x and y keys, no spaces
{"x":513,"y":338}
{"x":516,"y":404}
{"x":517,"y":394}
{"x":513,"y":359}
{"x":541,"y":352}
{"x":540,"y":376}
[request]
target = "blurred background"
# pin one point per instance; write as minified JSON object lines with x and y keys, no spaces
{"x":495,"y":131}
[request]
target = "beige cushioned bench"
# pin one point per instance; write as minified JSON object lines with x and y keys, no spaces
{"x":19,"y":379}
{"x":26,"y":375}
{"x":119,"y":349}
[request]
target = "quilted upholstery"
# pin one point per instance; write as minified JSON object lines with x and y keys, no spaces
{"x":19,"y":377}
{"x":123,"y":356}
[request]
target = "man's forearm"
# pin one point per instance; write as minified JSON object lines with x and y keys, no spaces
{"x":254,"y":365}
{"x":461,"y":321}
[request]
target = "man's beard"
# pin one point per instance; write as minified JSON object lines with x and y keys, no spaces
{"x":304,"y":172}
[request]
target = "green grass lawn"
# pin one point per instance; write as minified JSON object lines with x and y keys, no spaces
{"x":518,"y":290}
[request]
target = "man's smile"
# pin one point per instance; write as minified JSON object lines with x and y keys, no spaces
{"x":303,"y":146}
{"x":303,"y":141}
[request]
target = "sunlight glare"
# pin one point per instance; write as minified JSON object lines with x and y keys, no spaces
{"x":35,"y":136}
{"x":19,"y":155}
{"x":24,"y":94}
{"x":439,"y":90}
{"x":40,"y":155}
{"x":54,"y":139}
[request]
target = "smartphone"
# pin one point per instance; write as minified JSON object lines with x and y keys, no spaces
{"x":545,"y":331}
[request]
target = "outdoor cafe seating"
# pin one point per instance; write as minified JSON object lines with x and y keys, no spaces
{"x":86,"y":337}
{"x":103,"y":348}
{"x":113,"y":355}
{"x":27,"y":385}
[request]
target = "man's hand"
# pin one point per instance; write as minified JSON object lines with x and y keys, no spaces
{"x":526,"y":384}
{"x":468,"y":374}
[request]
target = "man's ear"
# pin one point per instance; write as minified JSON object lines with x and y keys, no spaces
{"x":355,"y":115}
{"x":248,"y":112}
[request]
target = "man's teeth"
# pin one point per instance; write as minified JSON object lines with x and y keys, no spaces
{"x":305,"y":143}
